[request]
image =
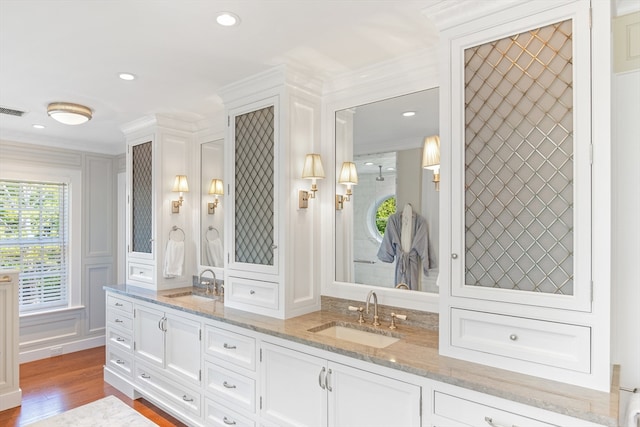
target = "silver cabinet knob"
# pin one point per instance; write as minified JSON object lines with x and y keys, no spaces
{"x":454,"y":256}
{"x":513,"y":337}
{"x":252,"y":292}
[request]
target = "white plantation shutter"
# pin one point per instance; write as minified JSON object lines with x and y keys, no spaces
{"x":34,"y":239}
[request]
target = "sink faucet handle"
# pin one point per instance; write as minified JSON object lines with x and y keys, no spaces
{"x":394,"y":317}
{"x":360,"y":310}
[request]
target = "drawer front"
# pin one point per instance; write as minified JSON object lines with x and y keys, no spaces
{"x":252,"y":292}
{"x":234,"y":348}
{"x":220,"y":416}
{"x":467,"y":412}
{"x":119,"y":320}
{"x":120,"y":304}
{"x":235,"y":389}
{"x":151,"y":382}
{"x":120,"y":362}
{"x":548,"y":343}
{"x":140,"y":272}
{"x":119,"y":340}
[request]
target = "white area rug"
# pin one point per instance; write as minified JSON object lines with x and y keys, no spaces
{"x":107,"y":412}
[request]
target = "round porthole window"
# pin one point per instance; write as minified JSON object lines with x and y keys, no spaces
{"x":379,"y":214}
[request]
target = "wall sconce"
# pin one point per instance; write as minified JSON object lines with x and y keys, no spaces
{"x":431,"y":157}
{"x":179,"y":185}
{"x":217,"y":189}
{"x":312,"y":170}
{"x":348,"y":176}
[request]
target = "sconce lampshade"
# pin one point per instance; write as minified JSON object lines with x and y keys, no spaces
{"x":348,"y":174}
{"x":313,"y":167}
{"x":216,"y":187}
{"x":69,"y":114}
{"x":431,"y":153}
{"x":180,"y":184}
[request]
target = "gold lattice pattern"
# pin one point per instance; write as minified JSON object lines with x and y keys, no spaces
{"x":254,"y":187}
{"x":519,"y":161}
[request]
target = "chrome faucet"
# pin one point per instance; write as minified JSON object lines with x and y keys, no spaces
{"x":375,"y":307}
{"x":208,"y":282}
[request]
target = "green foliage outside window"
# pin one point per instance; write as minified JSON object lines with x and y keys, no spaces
{"x":384,"y":211}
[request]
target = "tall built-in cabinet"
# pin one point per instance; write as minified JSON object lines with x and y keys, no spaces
{"x":10,"y":393}
{"x":270,"y":267}
{"x":527,"y":283}
{"x":158,"y":149}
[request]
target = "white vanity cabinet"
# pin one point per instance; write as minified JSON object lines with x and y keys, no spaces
{"x":299,"y":389}
{"x":158,"y":149}
{"x":524,"y":289}
{"x":119,"y":348}
{"x":273,"y":123}
{"x":10,"y":393}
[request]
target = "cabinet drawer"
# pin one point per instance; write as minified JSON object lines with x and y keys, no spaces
{"x":116,"y":303}
{"x":157,"y":385}
{"x":549,"y":343}
{"x":120,"y":362}
{"x":253,"y":292}
{"x":120,"y":340}
{"x":140,"y":272}
{"x":235,"y":389}
{"x":119,"y":320}
{"x":467,"y":412}
{"x":234,"y":348}
{"x":221,"y":416}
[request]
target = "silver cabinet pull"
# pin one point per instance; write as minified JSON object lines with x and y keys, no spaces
{"x":228,"y":422}
{"x":274,"y":247}
{"x":227,"y":385}
{"x":120,"y":362}
{"x":187,"y":399}
{"x":326,"y":380}
{"x":489,"y":421}
{"x":252,"y":292}
{"x":229,"y":347}
{"x":513,"y":337}
{"x":118,"y":321}
{"x":321,"y":379}
{"x":145,"y":376}
{"x":119,"y":339}
{"x":118,"y":304}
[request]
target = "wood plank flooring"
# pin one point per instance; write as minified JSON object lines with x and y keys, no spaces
{"x":52,"y":386}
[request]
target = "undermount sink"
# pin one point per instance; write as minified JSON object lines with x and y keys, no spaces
{"x":191,"y":297}
{"x":356,"y":334}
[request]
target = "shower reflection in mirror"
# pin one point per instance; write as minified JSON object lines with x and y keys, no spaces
{"x":212,"y":214}
{"x":389,"y":236}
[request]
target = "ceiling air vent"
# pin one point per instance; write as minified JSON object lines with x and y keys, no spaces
{"x":11,"y":112}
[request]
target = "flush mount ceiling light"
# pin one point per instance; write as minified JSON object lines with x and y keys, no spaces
{"x":227,"y":19}
{"x":69,"y":114}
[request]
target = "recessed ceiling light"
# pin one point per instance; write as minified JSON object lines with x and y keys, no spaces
{"x":127,"y":76}
{"x":227,"y":19}
{"x":391,"y":169}
{"x":37,"y":126}
{"x":409,"y":113}
{"x":368,"y":163}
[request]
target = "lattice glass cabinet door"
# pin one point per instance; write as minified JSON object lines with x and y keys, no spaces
{"x":526,"y":166}
{"x":254,"y":198}
{"x":142,"y":198}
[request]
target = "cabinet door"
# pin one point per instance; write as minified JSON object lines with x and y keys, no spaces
{"x":149,"y":335}
{"x":140,"y":216}
{"x":361,"y":398}
{"x":183,"y":347}
{"x":254,"y":196}
{"x":293,"y":391}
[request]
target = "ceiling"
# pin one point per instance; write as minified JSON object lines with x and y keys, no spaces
{"x":73,"y":51}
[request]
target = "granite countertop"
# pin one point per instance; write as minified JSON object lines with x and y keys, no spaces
{"x":416,"y":353}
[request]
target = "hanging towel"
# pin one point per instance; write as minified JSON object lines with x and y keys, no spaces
{"x":214,"y":249}
{"x":173,"y":259}
{"x":632,"y":414}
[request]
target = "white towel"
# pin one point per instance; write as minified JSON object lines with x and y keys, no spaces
{"x":632,"y":414}
{"x":173,"y":259}
{"x":407,"y":224}
{"x":214,"y":253}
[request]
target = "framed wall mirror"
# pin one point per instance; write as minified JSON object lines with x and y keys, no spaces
{"x":385,"y":141}
{"x":211,"y":204}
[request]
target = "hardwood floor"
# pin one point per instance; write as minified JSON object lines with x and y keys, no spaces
{"x":52,"y":386}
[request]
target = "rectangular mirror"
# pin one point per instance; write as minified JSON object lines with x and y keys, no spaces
{"x":212,"y":199}
{"x":385,"y":141}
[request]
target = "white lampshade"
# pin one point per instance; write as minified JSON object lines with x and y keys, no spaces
{"x":431,"y":153}
{"x":69,"y":114}
{"x":313,"y":167}
{"x":216,"y":187}
{"x":348,"y":174}
{"x":180,"y":184}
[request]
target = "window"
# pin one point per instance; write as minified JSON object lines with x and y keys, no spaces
{"x":34,"y":238}
{"x":384,"y":210}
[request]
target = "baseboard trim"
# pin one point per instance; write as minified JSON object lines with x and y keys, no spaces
{"x":11,"y":399}
{"x":60,"y":349}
